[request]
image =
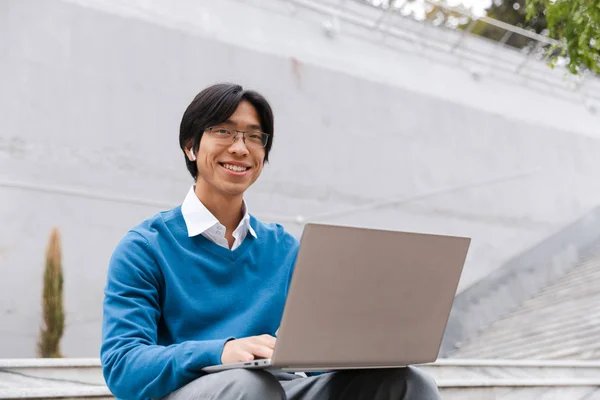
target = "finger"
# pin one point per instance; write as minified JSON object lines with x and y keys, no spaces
{"x":245,"y":356}
{"x":267,"y":340}
{"x":238,"y":356}
{"x":262,"y":351}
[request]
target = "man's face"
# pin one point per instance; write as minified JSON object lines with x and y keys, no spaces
{"x":227,"y":168}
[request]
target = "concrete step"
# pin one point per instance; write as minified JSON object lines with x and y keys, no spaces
{"x":482,"y":370}
{"x":57,"y":393}
{"x":457,"y":379}
{"x":460,"y":379}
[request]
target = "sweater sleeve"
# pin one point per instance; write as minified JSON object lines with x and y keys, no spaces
{"x":133,"y":364}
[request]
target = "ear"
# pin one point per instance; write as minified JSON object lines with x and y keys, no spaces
{"x":191,"y":154}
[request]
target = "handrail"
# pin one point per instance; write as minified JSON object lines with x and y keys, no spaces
{"x":491,"y":21}
{"x":580,"y":89}
{"x":497,"y":23}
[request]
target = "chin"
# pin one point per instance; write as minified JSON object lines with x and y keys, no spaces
{"x":234,"y":191}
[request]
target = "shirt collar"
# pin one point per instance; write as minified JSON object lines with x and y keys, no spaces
{"x":198,"y":219}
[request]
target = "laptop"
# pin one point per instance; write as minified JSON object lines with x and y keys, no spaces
{"x":365,"y":298}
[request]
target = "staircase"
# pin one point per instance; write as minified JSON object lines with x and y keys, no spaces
{"x":456,"y":378}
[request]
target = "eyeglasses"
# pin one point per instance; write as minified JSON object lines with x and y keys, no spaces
{"x":228,"y":136}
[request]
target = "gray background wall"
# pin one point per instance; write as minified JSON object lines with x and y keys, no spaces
{"x":91,"y":98}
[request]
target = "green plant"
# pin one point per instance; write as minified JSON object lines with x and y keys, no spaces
{"x":576,"y":24}
{"x":52,"y":301}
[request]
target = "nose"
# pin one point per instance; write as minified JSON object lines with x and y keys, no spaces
{"x":238,"y":146}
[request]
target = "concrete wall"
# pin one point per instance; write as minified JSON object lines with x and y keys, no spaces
{"x":92,"y":94}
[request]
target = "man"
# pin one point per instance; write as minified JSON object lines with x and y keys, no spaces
{"x":205,"y":283}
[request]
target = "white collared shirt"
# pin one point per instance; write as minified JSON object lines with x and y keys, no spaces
{"x":199,"y":220}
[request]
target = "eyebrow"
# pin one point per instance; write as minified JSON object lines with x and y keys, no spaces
{"x":255,"y":127}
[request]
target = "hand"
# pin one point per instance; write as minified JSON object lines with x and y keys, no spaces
{"x":247,"y":349}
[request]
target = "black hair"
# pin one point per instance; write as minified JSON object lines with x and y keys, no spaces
{"x":213,"y":106}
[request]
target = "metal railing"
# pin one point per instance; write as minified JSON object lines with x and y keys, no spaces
{"x":393,"y":21}
{"x":469,"y":16}
{"x":538,"y":44}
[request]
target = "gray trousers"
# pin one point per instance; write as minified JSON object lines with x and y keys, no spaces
{"x":380,"y":384}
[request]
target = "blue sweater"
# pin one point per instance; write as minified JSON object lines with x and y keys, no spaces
{"x":172,"y":301}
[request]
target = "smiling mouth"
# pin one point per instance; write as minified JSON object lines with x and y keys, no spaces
{"x":234,"y":168}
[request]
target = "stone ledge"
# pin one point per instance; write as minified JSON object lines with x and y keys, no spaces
{"x":9,"y":363}
{"x":56,"y":393}
{"x":49,"y":362}
{"x":465,"y":362}
{"x":518,"y":383}
{"x":458,"y":379}
{"x":454,"y":389}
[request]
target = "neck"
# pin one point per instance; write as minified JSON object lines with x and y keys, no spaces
{"x":226,"y":208}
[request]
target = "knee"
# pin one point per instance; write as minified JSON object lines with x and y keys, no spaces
{"x":420,"y":385}
{"x":252,"y":385}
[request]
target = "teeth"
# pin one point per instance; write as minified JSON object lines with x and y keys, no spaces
{"x":235,"y":168}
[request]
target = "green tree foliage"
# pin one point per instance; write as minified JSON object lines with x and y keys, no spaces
{"x":576,"y":24}
{"x":52,"y":301}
